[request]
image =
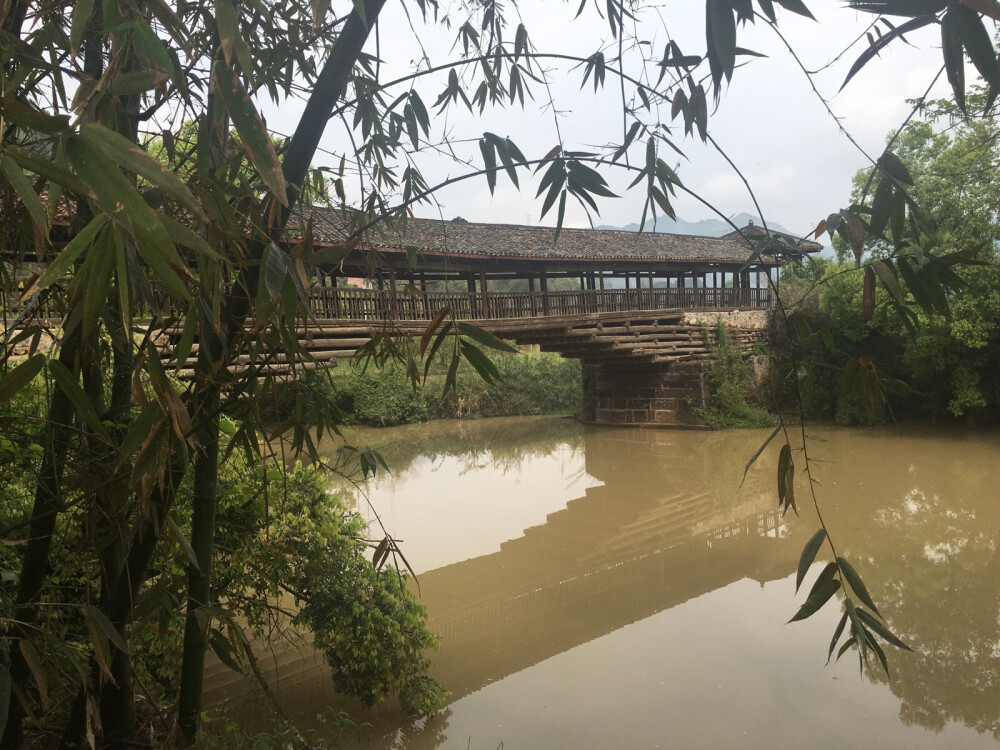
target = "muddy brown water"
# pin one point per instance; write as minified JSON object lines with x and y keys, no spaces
{"x":614,"y":587}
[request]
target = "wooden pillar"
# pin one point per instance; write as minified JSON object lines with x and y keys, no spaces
{"x":544,"y":282}
{"x":652,"y":294}
{"x":393,"y":298}
{"x":485,"y":310}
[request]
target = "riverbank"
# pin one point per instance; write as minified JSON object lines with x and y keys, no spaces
{"x":531,"y":383}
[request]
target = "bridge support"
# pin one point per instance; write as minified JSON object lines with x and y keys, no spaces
{"x":655,"y":395}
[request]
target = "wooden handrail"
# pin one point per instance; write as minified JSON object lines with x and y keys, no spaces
{"x":374,"y":304}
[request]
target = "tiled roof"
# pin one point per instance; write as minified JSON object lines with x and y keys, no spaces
{"x":460,"y":238}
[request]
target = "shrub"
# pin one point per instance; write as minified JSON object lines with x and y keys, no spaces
{"x":729,"y":376}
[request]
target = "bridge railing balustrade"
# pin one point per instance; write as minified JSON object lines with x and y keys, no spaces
{"x":412,"y":304}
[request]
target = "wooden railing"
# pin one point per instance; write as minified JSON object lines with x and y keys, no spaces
{"x":348,"y":303}
{"x":373,"y":304}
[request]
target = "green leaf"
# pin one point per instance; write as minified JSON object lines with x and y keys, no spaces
{"x":809,"y":555}
{"x":232,"y":41}
{"x":490,"y":160}
{"x":796,"y":6}
{"x":253,"y":134}
{"x":977,"y":42}
{"x":82,"y":12}
{"x":186,"y":548}
{"x":954,"y":60}
{"x":786,"y":475}
{"x":756,"y":455}
{"x":136,"y":82}
{"x":872,"y":50}
{"x":836,"y":636}
{"x":824,"y":588}
{"x":224,"y":650}
{"x":69,"y":385}
{"x":881,"y":630}
{"x":720,"y":29}
{"x":858,"y":629}
{"x":28,"y":117}
{"x":65,"y":259}
{"x":129,"y":155}
{"x":93,"y":615}
{"x":485,"y":338}
{"x":891,"y":165}
{"x":480,"y":362}
{"x":856,"y":584}
{"x":442,"y":335}
{"x":22,"y":186}
{"x":12,"y":383}
{"x":51,"y":171}
{"x":123,"y":203}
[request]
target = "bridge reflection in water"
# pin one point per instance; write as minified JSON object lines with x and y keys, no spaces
{"x":638,"y":544}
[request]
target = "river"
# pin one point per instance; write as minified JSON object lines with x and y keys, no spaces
{"x":614,"y":587}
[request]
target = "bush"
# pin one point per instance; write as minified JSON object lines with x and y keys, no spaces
{"x":380,"y":398}
{"x":729,"y":377}
{"x":531,"y":383}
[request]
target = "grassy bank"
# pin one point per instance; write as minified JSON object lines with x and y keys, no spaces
{"x":531,"y":383}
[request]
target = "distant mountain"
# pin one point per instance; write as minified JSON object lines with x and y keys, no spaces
{"x":703,"y":228}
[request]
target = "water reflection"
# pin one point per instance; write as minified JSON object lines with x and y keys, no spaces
{"x":927,"y":526}
{"x":609,"y":587}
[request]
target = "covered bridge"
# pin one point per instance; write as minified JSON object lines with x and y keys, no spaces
{"x":497,"y":271}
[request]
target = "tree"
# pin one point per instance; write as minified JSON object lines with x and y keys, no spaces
{"x":949,"y":359}
{"x":207,"y":249}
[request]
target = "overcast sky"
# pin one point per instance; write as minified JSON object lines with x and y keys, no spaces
{"x":769,"y":121}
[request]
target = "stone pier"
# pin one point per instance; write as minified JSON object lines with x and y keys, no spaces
{"x":655,"y":395}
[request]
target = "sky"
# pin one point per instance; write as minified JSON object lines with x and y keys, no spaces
{"x":769,"y":121}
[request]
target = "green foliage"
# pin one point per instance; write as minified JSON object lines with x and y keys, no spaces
{"x":382,"y":398}
{"x":365,"y":620}
{"x":729,"y":378}
{"x":950,"y":358}
{"x":529,"y":383}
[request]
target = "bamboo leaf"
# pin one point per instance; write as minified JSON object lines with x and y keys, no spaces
{"x":22,"y":186}
{"x":756,"y":455}
{"x":433,"y":326}
{"x":82,"y":12}
{"x":123,"y":203}
{"x":65,"y":259}
{"x":93,"y":615}
{"x":884,"y":632}
{"x":183,"y":543}
{"x":954,"y":60}
{"x":836,"y":636}
{"x":253,"y":134}
{"x":485,"y":338}
{"x":858,"y":630}
{"x":482,"y":364}
{"x":69,"y":385}
{"x":30,"y":654}
{"x":808,"y":556}
{"x":490,"y":160}
{"x":224,"y":650}
{"x":857,"y":585}
{"x":129,"y":155}
{"x":442,"y":335}
{"x":784,"y":461}
{"x":12,"y":383}
{"x":868,"y":294}
{"x":824,"y":588}
{"x":26,"y":116}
